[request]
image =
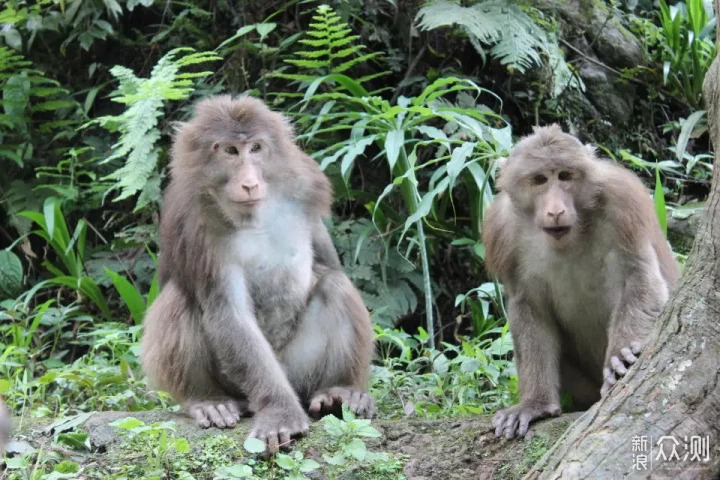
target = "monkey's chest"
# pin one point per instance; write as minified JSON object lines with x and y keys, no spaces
{"x":583,"y":294}
{"x":276,"y":260}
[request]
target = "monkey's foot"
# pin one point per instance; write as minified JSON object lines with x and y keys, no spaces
{"x":618,"y":366}
{"x":516,"y":419}
{"x":215,"y":413}
{"x":276,"y":426}
{"x":360,"y":403}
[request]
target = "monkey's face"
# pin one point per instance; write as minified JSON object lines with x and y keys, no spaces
{"x":238,"y":183}
{"x":553,"y":191}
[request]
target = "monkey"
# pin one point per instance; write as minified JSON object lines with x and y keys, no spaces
{"x":4,"y":427}
{"x":586,"y":270}
{"x":255,"y":315}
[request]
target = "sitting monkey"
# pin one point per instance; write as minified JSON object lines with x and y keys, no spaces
{"x":586,"y":269}
{"x":255,"y":312}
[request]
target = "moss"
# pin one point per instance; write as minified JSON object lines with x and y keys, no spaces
{"x":533,"y":449}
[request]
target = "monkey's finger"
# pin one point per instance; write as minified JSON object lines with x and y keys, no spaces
{"x":199,"y":416}
{"x":215,"y":417}
{"x":284,"y":436}
{"x":628,"y":356}
{"x":272,"y":442}
{"x":525,"y":419}
{"x":604,"y":389}
{"x":320,"y":401}
{"x":234,"y":409}
{"x":227,"y":416}
{"x":618,"y":366}
{"x":354,"y":401}
{"x":609,"y":376}
{"x":511,"y":426}
{"x":636,"y":347}
{"x":499,"y":422}
{"x":368,"y":406}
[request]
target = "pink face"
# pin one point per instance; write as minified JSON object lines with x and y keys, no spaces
{"x":555,"y":212}
{"x":241,"y":185}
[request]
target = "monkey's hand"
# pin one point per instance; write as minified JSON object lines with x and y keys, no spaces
{"x":618,"y":365}
{"x":220,"y":414}
{"x":276,"y":425}
{"x":516,"y":419}
{"x":360,"y":403}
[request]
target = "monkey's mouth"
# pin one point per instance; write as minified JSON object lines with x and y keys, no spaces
{"x":557,"y":232}
{"x":250,"y":204}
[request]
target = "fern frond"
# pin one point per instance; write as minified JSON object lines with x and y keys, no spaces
{"x":515,"y":40}
{"x":333,"y":49}
{"x":138,"y":124}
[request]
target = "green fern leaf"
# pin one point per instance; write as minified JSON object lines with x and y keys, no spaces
{"x":138,"y":124}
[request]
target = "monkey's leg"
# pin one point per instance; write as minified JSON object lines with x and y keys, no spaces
{"x":537,"y":354}
{"x":328,"y":361}
{"x":175,"y":358}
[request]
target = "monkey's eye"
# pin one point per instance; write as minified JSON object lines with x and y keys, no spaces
{"x":564,"y":176}
{"x":539,"y":179}
{"x":231,"y":150}
{"x":256,"y":147}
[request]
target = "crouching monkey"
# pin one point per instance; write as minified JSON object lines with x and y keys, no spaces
{"x":255,"y":314}
{"x":586,"y":269}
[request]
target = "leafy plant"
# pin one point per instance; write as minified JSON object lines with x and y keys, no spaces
{"x":347,"y":443}
{"x":473,"y":377}
{"x":516,"y":40}
{"x":138,"y":124}
{"x":156,"y":441}
{"x":688,"y":46}
{"x":415,"y":151}
{"x":70,"y":250}
{"x":334,"y":52}
{"x":388,"y":282}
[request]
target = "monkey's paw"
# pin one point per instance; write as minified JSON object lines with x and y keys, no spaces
{"x":276,"y":426}
{"x":360,"y":403}
{"x":215,"y":413}
{"x":619,"y":365}
{"x":516,"y":419}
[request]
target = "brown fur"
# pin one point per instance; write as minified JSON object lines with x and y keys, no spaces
{"x":4,"y":427}
{"x":255,"y":311}
{"x":586,"y":268}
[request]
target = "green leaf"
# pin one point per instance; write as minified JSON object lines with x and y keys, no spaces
{"x":285,"y":461}
{"x":394,"y":141}
{"x":74,"y":440}
{"x":254,"y":445}
{"x":5,"y":386}
{"x":181,"y":445}
{"x":265,"y":28}
{"x":130,"y":295}
{"x":659,"y":200}
{"x":309,"y":465}
{"x":127,"y":423}
{"x":11,"y":273}
{"x":356,"y":449}
{"x":685,"y":132}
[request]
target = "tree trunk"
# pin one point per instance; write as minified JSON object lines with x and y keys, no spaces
{"x":671,"y":398}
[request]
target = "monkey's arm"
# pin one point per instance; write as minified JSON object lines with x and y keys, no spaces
{"x":246,"y":363}
{"x":323,"y":248}
{"x":537,"y":354}
{"x":641,"y":300}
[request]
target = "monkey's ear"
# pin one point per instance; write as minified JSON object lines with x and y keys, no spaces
{"x":289,"y":127}
{"x":591,"y":149}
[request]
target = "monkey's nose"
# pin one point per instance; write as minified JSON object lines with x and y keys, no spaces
{"x":555,"y":214}
{"x":250,"y":188}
